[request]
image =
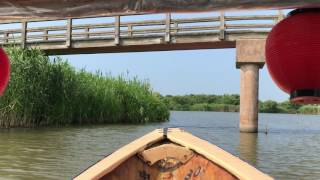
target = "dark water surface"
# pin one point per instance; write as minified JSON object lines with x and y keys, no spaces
{"x":291,"y":150}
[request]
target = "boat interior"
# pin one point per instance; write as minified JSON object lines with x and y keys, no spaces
{"x":166,"y":160}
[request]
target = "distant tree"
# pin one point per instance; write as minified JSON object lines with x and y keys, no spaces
{"x":269,"y":107}
{"x":229,"y":103}
{"x":289,"y":107}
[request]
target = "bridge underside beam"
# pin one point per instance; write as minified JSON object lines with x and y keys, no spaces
{"x":140,"y":44}
{"x":140,"y":48}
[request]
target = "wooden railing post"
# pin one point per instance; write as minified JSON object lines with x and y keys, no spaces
{"x":69,"y":33}
{"x":222,"y":28}
{"x":280,"y":16}
{"x":45,"y":35}
{"x":176,"y":27}
{"x":117,"y":30}
{"x":130,"y":33}
{"x":24,"y":34}
{"x":168,"y":27}
{"x":87,"y":31}
{"x":6,"y":37}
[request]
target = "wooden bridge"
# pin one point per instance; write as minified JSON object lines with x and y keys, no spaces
{"x":134,"y":36}
{"x":245,"y":33}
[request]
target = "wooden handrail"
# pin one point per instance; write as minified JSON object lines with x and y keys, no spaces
{"x":253,"y":17}
{"x":167,"y":27}
{"x":41,"y":36}
{"x":248,"y":26}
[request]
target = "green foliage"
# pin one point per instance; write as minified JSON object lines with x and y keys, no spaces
{"x":214,"y":107}
{"x":309,"y":109}
{"x":224,"y":103}
{"x":45,"y":92}
{"x":230,"y":103}
{"x":287,"y":107}
{"x":269,"y":107}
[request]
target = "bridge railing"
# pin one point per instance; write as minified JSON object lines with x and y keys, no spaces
{"x":167,"y":28}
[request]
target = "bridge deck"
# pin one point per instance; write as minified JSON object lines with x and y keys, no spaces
{"x":146,"y":35}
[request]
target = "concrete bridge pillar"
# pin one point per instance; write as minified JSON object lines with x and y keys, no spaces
{"x":250,"y":58}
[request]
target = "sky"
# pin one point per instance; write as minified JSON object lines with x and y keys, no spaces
{"x":174,"y":72}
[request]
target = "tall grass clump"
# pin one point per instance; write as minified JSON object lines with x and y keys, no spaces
{"x":44,"y":92}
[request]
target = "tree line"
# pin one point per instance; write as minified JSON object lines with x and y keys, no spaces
{"x":231,"y":103}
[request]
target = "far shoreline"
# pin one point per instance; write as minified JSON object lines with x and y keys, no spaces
{"x":231,"y":103}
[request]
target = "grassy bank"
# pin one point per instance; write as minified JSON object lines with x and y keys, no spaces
{"x":45,"y":92}
{"x":231,"y":103}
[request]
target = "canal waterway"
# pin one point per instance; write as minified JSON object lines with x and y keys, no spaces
{"x":290,"y":150}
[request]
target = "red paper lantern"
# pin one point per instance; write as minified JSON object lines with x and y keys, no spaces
{"x":293,"y":55}
{"x":4,"y":71}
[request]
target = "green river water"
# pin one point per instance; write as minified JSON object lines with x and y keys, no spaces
{"x":291,"y":149}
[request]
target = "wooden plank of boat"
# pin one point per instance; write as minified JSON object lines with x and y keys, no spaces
{"x":171,"y":154}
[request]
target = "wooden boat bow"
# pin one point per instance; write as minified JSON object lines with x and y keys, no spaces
{"x":199,"y":157}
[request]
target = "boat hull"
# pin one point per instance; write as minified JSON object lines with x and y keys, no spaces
{"x":197,"y":167}
{"x":170,"y":154}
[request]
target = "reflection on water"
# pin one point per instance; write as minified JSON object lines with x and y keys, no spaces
{"x":289,"y":151}
{"x":248,"y":147}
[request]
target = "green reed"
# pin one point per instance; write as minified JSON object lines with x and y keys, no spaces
{"x":44,"y":92}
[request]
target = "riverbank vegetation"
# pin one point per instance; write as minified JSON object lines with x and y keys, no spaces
{"x":44,"y":91}
{"x":230,"y":103}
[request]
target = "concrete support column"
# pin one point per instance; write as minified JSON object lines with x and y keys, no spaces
{"x":249,"y":90}
{"x":250,"y":58}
